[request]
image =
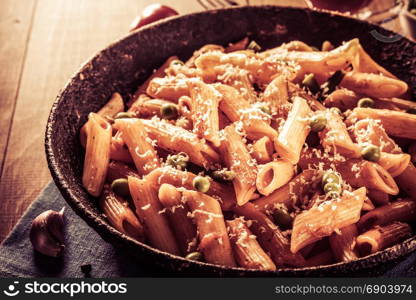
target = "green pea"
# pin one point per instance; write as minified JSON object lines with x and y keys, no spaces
{"x":365,"y":102}
{"x":124,"y":115}
{"x":265,"y":109}
{"x":177,"y":62}
{"x":332,"y":187}
{"x":317,"y":122}
{"x":336,"y":110}
{"x":197,"y":256}
{"x":254,"y":46}
{"x":201,"y":184}
{"x":178,"y":161}
{"x":411,"y":111}
{"x":333,"y":195}
{"x":310,"y":83}
{"x":223,"y":175}
{"x":121,"y":187}
{"x":371,"y":153}
{"x":330,"y":177}
{"x":169,"y":111}
{"x":282,"y":218}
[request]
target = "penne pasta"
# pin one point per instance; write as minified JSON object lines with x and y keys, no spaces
{"x":401,"y":210}
{"x":168,"y":88}
{"x":269,"y":236}
{"x":406,"y":180}
{"x":374,"y":85}
{"x":395,"y":164}
{"x":108,"y":111}
{"x":97,"y":154}
{"x":343,"y":243}
{"x":255,"y":122}
{"x":177,"y":212}
{"x":273,"y":175}
{"x":148,"y":209}
{"x":382,"y":237}
{"x":171,"y":137}
{"x":120,"y":215}
{"x":263,"y":150}
{"x":247,"y":251}
{"x":276,"y":93}
{"x":223,"y":193}
{"x":118,"y":170}
{"x":335,"y":137}
{"x":293,"y":135}
{"x":213,"y":237}
{"x":139,"y":144}
{"x":395,"y":123}
{"x":320,"y":221}
{"x":204,"y":111}
{"x":291,"y":193}
{"x":237,"y":158}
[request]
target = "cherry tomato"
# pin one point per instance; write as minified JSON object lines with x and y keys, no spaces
{"x":152,"y":13}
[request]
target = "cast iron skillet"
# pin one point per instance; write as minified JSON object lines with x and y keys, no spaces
{"x":126,"y":63}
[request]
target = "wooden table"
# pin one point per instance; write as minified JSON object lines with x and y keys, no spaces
{"x":42,"y":43}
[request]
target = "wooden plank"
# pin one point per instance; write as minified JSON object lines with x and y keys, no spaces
{"x":64,"y":34}
{"x":15,"y":21}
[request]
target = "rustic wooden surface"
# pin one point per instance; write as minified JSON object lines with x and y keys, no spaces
{"x":43,"y":42}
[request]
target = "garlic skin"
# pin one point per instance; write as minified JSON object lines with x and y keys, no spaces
{"x":47,"y":233}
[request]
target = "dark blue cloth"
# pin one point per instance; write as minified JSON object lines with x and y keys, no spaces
{"x":85,"y":246}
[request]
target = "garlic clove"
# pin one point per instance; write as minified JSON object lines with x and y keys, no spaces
{"x":47,"y":234}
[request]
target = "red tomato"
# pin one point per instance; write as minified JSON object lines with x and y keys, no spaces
{"x":152,"y":13}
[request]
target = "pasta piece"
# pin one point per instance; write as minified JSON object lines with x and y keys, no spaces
{"x":274,"y":175}
{"x":327,"y":46}
{"x":109,"y":110}
{"x":343,"y":99}
{"x":97,"y":154}
{"x":320,"y":221}
{"x":276,"y":93}
{"x":146,"y":107}
{"x":293,"y":135}
{"x":120,"y":215}
{"x":400,"y":103}
{"x":204,"y":49}
{"x":291,"y":193}
{"x":168,"y":88}
{"x":322,"y":64}
{"x":395,"y":123}
{"x":343,"y":243}
{"x":247,"y":251}
{"x":374,"y":85}
{"x":118,"y":170}
{"x":367,"y":65}
{"x":148,"y":209}
{"x":171,"y":137}
{"x":177,"y":213}
{"x":368,"y":205}
{"x":204,"y":110}
{"x":269,"y":236}
{"x":237,"y":158}
{"x":401,"y":210}
{"x":382,"y":237}
{"x":262,"y":71}
{"x":335,"y":137}
{"x":255,"y":123}
{"x":263,"y":150}
{"x":212,"y":233}
{"x":119,"y":150}
{"x":223,"y":193}
{"x":240,"y":80}
{"x":395,"y":164}
{"x":355,"y":172}
{"x":140,"y":146}
{"x":406,"y":180}
{"x":380,"y":198}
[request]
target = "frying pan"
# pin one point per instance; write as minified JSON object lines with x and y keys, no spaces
{"x":125,"y":64}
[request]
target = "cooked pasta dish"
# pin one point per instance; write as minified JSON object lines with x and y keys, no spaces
{"x":260,"y":159}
